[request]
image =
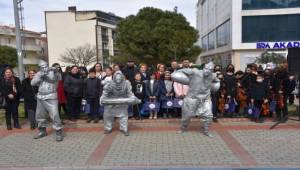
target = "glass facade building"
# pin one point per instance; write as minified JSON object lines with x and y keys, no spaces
{"x":211,"y":40}
{"x":270,"y":28}
{"x":269,"y":4}
{"x":223,"y":34}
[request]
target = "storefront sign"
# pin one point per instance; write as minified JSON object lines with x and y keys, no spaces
{"x":278,"y":45}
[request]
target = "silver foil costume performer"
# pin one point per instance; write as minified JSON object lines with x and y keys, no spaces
{"x":46,"y":79}
{"x":116,"y":97}
{"x":198,"y":101}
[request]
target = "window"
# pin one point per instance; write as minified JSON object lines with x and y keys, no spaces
{"x":270,"y":28}
{"x":211,"y":40}
{"x":104,"y":34}
{"x":269,"y":4}
{"x":105,"y":45}
{"x":114,"y":35}
{"x":223,"y":34}
{"x":205,"y":43}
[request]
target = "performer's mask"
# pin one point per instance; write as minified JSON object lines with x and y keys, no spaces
{"x":118,"y":78}
{"x":43,"y":66}
{"x":208,"y":69}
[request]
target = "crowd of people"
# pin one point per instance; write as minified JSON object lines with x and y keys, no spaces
{"x":256,"y":93}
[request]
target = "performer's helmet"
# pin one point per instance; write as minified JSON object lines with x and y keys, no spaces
{"x":118,"y":77}
{"x":43,"y":64}
{"x":208,"y":68}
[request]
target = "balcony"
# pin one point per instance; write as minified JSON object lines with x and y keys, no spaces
{"x":27,"y":47}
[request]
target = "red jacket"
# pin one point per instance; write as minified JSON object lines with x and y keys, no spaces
{"x":61,"y":92}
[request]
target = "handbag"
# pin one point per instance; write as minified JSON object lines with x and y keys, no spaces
{"x":230,"y":106}
{"x":101,"y":109}
{"x":143,"y":112}
{"x":86,"y":109}
{"x":152,"y":106}
{"x":167,"y":104}
{"x":177,"y":103}
{"x":256,"y":112}
{"x":250,"y":110}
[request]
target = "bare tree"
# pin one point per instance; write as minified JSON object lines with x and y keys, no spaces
{"x":82,"y":55}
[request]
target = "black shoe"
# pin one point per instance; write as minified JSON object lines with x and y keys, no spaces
{"x":126,"y":133}
{"x":89,"y":120}
{"x":42,"y":133}
{"x":32,"y":126}
{"x":96,"y":120}
{"x":17,"y":126}
{"x":59,"y":135}
{"x":215,"y":119}
{"x":284,"y":120}
{"x":9,"y":127}
{"x":107,"y":132}
{"x":260,"y":121}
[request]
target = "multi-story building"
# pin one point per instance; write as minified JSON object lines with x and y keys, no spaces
{"x":72,"y":28}
{"x":34,"y":45}
{"x":238,"y":31}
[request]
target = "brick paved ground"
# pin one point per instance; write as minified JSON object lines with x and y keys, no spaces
{"x":271,"y":147}
{"x":238,"y":143}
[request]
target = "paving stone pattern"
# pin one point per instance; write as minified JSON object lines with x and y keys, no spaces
{"x":22,"y":150}
{"x":168,"y":148}
{"x":271,"y":147}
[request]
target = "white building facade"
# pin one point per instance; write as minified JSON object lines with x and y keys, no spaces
{"x":34,"y":45}
{"x":72,"y":28}
{"x":238,"y":31}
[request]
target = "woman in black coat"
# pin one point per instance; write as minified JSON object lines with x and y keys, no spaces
{"x":259,"y":95}
{"x":166,"y":92}
{"x":29,"y":93}
{"x":73,"y":85}
{"x":152,"y":93}
{"x":230,"y":82}
{"x":11,"y":88}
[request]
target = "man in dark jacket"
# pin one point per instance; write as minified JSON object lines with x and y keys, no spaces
{"x":73,"y":85}
{"x":129,"y":71}
{"x":91,"y":92}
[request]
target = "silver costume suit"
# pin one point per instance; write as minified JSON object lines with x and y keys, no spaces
{"x":117,"y":95}
{"x":46,"y":79}
{"x":198,"y":101}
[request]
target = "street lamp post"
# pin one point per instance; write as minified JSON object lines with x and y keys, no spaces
{"x":18,"y":39}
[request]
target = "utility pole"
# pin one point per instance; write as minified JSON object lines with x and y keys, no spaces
{"x":18,"y":39}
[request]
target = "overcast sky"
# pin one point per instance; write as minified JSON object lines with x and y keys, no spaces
{"x":34,"y":9}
